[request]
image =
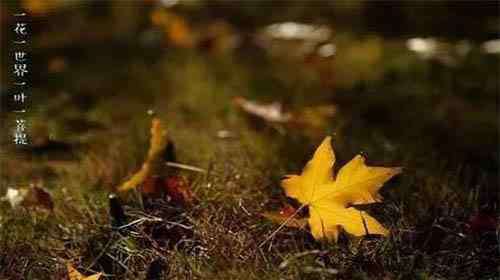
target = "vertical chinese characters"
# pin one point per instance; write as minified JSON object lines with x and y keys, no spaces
{"x":20,"y":71}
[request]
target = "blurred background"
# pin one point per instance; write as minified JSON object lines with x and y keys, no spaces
{"x":414,"y":76}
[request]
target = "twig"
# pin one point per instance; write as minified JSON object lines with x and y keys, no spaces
{"x":138,"y":221}
{"x":103,"y":251}
{"x":185,"y":166}
{"x":240,"y":204}
{"x":282,"y":225}
{"x":117,"y":261}
{"x":310,"y":269}
{"x":179,"y":225}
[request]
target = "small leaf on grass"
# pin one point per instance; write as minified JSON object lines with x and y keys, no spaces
{"x":15,"y":196}
{"x":29,"y":197}
{"x":158,"y":144}
{"x":272,"y":112}
{"x":176,"y":187}
{"x":179,"y":190}
{"x":482,"y":222}
{"x":176,"y":29}
{"x":73,"y":274}
{"x":329,"y":199}
{"x":150,"y":186}
{"x":38,"y":197}
{"x":312,"y":118}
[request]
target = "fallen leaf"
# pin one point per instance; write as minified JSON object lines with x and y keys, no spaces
{"x":175,"y":27}
{"x":482,"y":222}
{"x":288,"y":211}
{"x":272,"y":112}
{"x":73,"y":274}
{"x":38,"y":197}
{"x":329,"y":199}
{"x":150,"y":186}
{"x":179,"y":33}
{"x":178,"y":189}
{"x":313,"y":118}
{"x":29,"y":197}
{"x":158,"y":144}
{"x":15,"y":196}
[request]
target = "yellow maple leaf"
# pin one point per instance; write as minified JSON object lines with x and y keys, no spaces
{"x":157,"y":145}
{"x":73,"y":274}
{"x":329,"y":199}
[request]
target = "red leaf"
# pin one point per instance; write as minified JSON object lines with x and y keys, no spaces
{"x":151,"y":186}
{"x":38,"y":197}
{"x":287,"y":211}
{"x":178,"y":189}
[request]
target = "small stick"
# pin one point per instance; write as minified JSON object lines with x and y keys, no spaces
{"x":282,"y":225}
{"x":185,"y":166}
{"x":133,"y":223}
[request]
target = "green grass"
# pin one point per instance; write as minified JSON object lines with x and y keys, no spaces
{"x":395,"y":120}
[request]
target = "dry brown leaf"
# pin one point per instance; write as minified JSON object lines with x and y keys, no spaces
{"x":272,"y":112}
{"x":179,"y":190}
{"x":158,"y":144}
{"x":29,"y":197}
{"x":176,"y":28}
{"x":38,"y":197}
{"x":313,"y":118}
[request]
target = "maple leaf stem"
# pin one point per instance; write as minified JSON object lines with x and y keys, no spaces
{"x":282,"y":225}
